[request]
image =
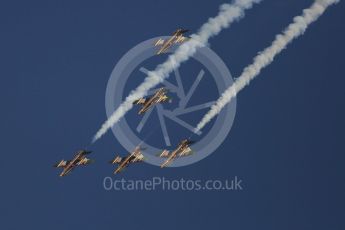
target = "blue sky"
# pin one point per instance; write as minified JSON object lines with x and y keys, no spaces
{"x":286,"y":143}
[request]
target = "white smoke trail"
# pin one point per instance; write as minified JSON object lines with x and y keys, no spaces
{"x":228,"y":14}
{"x":266,"y":57}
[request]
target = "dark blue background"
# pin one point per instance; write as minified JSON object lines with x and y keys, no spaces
{"x":287,"y":142}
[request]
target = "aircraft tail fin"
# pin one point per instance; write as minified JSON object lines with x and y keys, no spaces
{"x":188,"y":151}
{"x":159,"y":42}
{"x":60,"y":164}
{"x":85,"y":161}
{"x":181,"y":39}
{"x":116,"y":160}
{"x":139,"y":101}
{"x":165,"y":153}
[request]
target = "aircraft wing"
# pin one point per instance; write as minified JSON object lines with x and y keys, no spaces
{"x":164,"y":154}
{"x":140,"y":101}
{"x":159,"y":42}
{"x":85,"y":161}
{"x":116,"y":160}
{"x":186,"y":152}
{"x":164,"y":49}
{"x":163,"y":98}
{"x":67,"y":170}
{"x":61,"y":164}
{"x":138,"y":158}
{"x":181,"y":39}
{"x":119,"y":169}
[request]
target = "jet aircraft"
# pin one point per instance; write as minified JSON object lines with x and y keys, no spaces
{"x":177,"y":37}
{"x":123,"y":162}
{"x":158,"y":97}
{"x":183,"y":149}
{"x":79,"y":159}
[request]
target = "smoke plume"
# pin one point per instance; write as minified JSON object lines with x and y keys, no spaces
{"x":264,"y":58}
{"x":228,"y":13}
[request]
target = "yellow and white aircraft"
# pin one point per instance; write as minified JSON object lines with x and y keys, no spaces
{"x":177,"y":37}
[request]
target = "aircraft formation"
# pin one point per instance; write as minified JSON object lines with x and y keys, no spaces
{"x":136,"y":156}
